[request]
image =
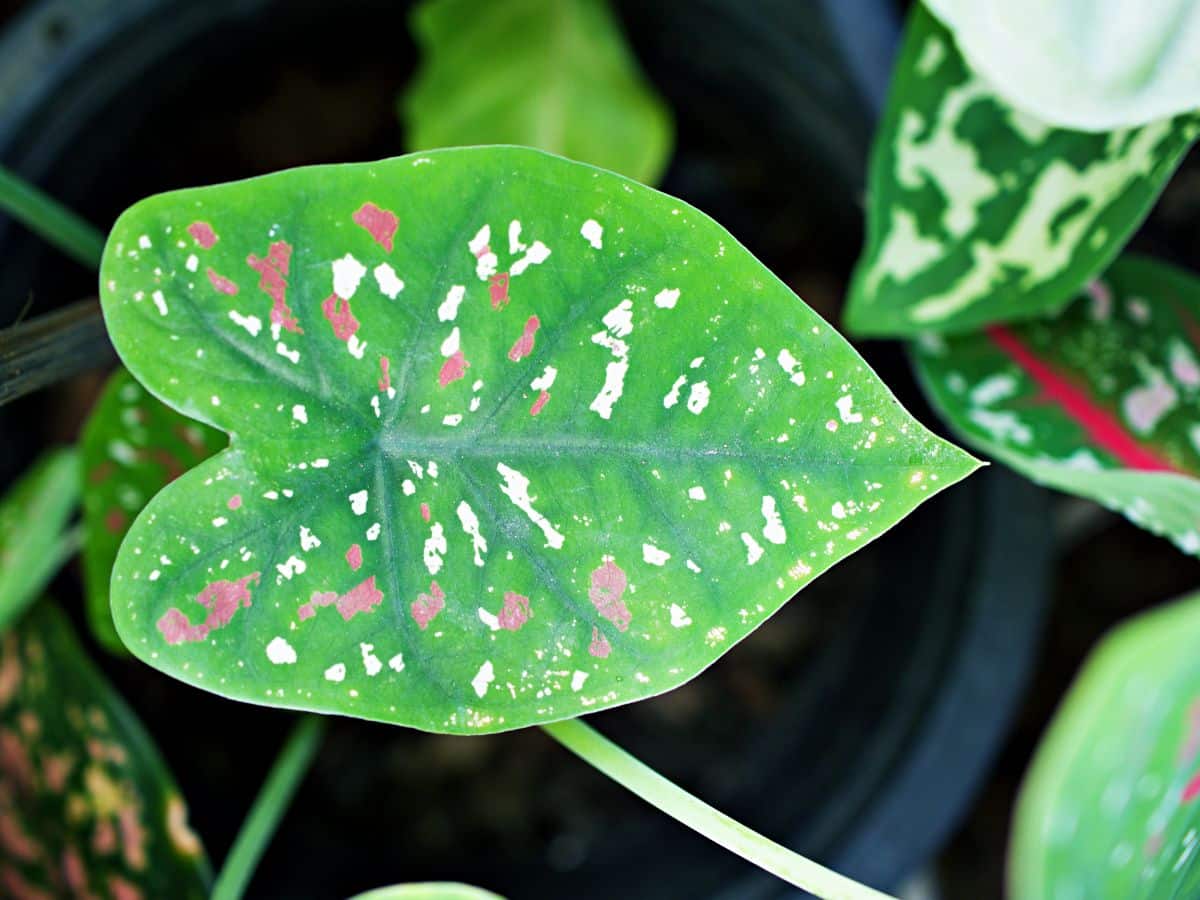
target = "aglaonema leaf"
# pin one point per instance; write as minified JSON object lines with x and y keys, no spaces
{"x":513,"y":439}
{"x":1111,"y":805}
{"x":1093,"y":66}
{"x":1101,"y":400}
{"x":432,"y":890}
{"x":87,"y":808}
{"x":551,"y":74}
{"x":34,"y":542}
{"x":132,"y":446}
{"x":979,"y":213}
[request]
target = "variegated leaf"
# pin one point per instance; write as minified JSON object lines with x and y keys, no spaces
{"x":1111,"y":804}
{"x":1101,"y":401}
{"x":551,"y":74}
{"x":1093,"y":66}
{"x":513,"y":439}
{"x":34,"y":541}
{"x":87,"y":808}
{"x":979,"y":213}
{"x":132,"y":446}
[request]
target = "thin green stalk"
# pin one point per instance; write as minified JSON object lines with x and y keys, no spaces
{"x":48,"y":218}
{"x":636,"y":776}
{"x":269,"y":806}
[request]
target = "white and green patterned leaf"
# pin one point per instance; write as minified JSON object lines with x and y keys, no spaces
{"x":1110,"y":807}
{"x":513,"y":439}
{"x":131,"y":448}
{"x":432,"y":890}
{"x":1092,"y":66}
{"x":978,"y":213}
{"x":551,"y":74}
{"x":34,"y":541}
{"x":87,"y":808}
{"x":1102,"y":400}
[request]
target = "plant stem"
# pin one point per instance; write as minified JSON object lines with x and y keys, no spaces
{"x":52,"y":348}
{"x":639,"y":778}
{"x":269,"y":806}
{"x":48,"y":218}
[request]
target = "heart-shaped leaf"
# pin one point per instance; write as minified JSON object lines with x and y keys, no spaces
{"x":551,"y":74}
{"x":440,"y":890}
{"x":1094,"y":66}
{"x":34,"y":542}
{"x":1102,"y":401}
{"x":87,"y":808}
{"x":1111,"y":804}
{"x":132,"y":446}
{"x":979,"y":213}
{"x":513,"y":439}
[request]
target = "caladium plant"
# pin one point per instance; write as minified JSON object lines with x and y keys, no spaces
{"x":1111,"y":805}
{"x":447,"y":502}
{"x":980,"y":213}
{"x":1101,"y":400}
{"x":87,"y":808}
{"x":132,"y":446}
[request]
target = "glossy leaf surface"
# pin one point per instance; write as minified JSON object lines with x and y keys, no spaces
{"x":978,"y":213}
{"x":87,"y":808}
{"x":552,"y":74}
{"x":440,"y":890}
{"x":514,"y":439}
{"x":34,"y":542}
{"x":1111,"y":804}
{"x":1093,"y":66}
{"x":132,"y":446}
{"x":1101,"y":401}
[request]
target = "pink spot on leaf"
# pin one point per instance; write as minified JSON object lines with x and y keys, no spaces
{"x":426,"y":607}
{"x":1102,"y":427}
{"x":524,"y":345}
{"x":354,"y":557}
{"x":115,"y":521}
{"x":222,"y":284}
{"x":599,"y":647}
{"x":498,"y":290}
{"x":337,"y":311}
{"x":273,"y":282}
{"x":202,"y":233}
{"x":222,"y":599}
{"x":454,"y":368}
{"x":380,"y":224}
{"x":608,"y":586}
{"x":425,"y":511}
{"x":385,"y":373}
{"x":362,"y":598}
{"x":235,"y":502}
{"x":515,"y":611}
{"x":1192,"y":789}
{"x":542,"y":399}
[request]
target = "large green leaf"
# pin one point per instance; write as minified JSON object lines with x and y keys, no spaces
{"x":1111,"y":805}
{"x":513,"y":439}
{"x":1102,"y":400}
{"x":132,"y":446}
{"x":87,"y":808}
{"x":34,"y":542}
{"x":979,"y":213}
{"x":551,"y":74}
{"x":1094,"y":66}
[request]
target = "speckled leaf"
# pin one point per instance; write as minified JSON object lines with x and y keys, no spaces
{"x":979,"y":213}
{"x":1102,"y":400}
{"x":132,"y":446}
{"x":441,"y":890}
{"x":514,"y":439}
{"x":551,"y":74}
{"x":34,"y":542}
{"x":1111,"y":805}
{"x":1094,"y":66}
{"x":87,"y":808}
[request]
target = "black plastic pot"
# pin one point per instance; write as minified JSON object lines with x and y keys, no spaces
{"x":907,"y":660}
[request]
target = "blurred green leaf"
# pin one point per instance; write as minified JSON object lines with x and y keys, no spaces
{"x":440,"y":890}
